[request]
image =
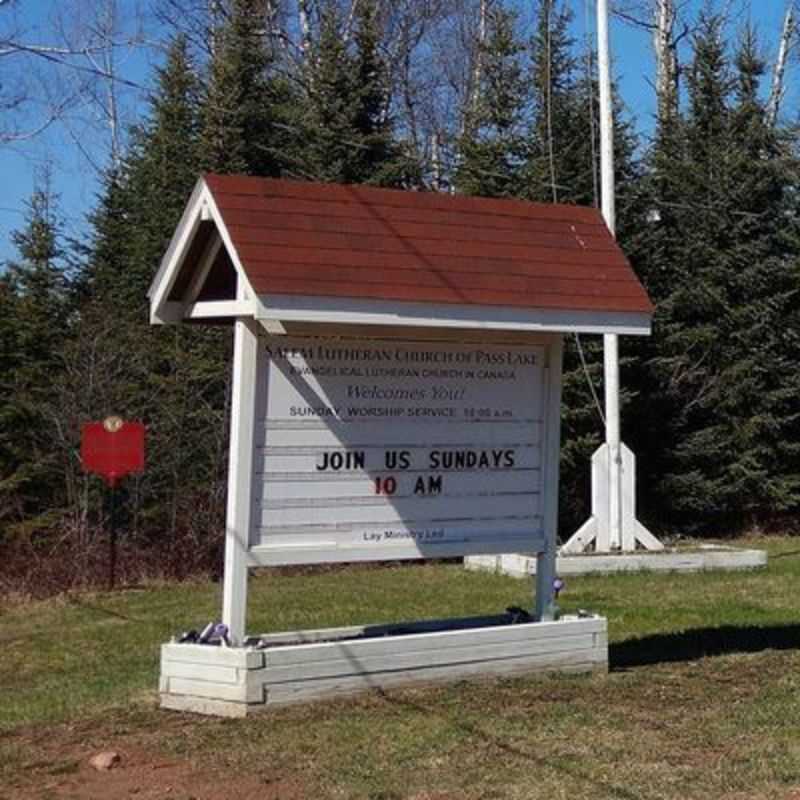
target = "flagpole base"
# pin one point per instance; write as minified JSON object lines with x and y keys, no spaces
{"x":596,"y":531}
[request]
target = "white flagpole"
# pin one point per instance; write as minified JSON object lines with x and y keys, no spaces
{"x":610,"y":341}
{"x":613,"y":525}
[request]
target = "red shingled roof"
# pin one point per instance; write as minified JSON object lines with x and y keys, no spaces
{"x":360,"y":242}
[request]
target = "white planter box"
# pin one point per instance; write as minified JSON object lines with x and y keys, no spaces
{"x":311,"y":665}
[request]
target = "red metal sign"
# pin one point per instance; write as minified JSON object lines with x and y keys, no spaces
{"x":112,"y":448}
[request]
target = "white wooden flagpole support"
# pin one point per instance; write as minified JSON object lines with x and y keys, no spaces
{"x":613,"y":524}
{"x":240,"y":470}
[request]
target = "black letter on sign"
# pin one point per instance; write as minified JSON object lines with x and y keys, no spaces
{"x":433,"y":486}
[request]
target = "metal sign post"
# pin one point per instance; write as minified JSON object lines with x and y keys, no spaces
{"x":112,"y":449}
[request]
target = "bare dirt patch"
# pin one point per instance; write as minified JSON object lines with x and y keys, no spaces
{"x":60,"y":769}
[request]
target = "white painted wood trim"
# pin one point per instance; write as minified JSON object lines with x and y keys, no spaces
{"x":273,"y":327}
{"x":201,"y":207}
{"x":580,"y":540}
{"x":164,"y":278}
{"x":546,"y":560}
{"x":245,"y":290}
{"x":598,"y":527}
{"x":240,"y":477}
{"x":210,"y":309}
{"x":171,"y":263}
{"x":523,"y":566}
{"x":388,"y":643}
{"x":205,"y":679}
{"x":338,"y":310}
{"x":261,"y":556}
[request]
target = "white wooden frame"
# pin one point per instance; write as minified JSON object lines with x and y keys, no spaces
{"x":351,"y":311}
{"x":244,"y":400}
{"x":200,"y":208}
{"x":240,"y":555}
{"x":206,"y":678}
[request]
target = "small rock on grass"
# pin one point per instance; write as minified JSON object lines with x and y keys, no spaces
{"x":105,"y":761}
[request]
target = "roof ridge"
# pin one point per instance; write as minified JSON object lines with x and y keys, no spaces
{"x":388,"y":193}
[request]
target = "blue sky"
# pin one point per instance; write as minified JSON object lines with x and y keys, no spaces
{"x":62,"y":148}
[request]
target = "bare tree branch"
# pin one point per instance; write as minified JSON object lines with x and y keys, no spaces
{"x":65,"y":69}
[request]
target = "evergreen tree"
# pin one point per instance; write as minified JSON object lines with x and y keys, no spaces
{"x":244,"y":103}
{"x":12,"y":506}
{"x":492,"y":147}
{"x":165,"y":159}
{"x":174,"y":379}
{"x":34,"y":292}
{"x":343,"y":129}
{"x":560,"y":122}
{"x":106,"y":255}
{"x":721,"y":269}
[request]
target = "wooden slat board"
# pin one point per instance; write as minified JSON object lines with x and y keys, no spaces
{"x":392,"y":449}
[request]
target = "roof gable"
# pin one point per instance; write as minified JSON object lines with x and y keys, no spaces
{"x":293,"y":241}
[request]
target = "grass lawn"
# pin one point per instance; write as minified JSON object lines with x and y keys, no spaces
{"x":702,"y":701}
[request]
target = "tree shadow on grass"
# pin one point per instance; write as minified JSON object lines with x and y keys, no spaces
{"x":690,"y":645}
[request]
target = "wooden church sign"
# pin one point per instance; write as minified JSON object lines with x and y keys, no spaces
{"x":397,"y":365}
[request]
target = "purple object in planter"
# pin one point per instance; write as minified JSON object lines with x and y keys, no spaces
{"x":220,"y":632}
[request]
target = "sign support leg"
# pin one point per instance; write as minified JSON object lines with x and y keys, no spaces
{"x":237,"y":527}
{"x":551,"y":449}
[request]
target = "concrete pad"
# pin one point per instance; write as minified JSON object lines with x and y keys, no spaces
{"x":699,"y":559}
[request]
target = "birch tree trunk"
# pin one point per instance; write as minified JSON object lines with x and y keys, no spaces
{"x":666,"y":60}
{"x":779,"y":72}
{"x":481,"y":44}
{"x":304,"y":20}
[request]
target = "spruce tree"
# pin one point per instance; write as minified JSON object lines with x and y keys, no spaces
{"x":187,"y":369}
{"x":243,"y":127}
{"x":491,"y":150}
{"x":10,"y":359}
{"x":720,"y":253}
{"x":343,"y":128}
{"x":34,"y":292}
{"x":559,"y":123}
{"x":174,"y":379}
{"x":163,"y":164}
{"x":106,"y":254}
